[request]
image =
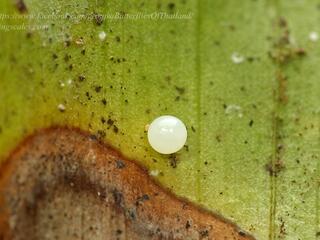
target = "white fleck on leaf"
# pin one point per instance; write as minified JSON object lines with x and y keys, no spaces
{"x":313,"y":36}
{"x":102,"y":36}
{"x":237,"y":58}
{"x":234,"y":110}
{"x":61,"y":107}
{"x":154,"y":173}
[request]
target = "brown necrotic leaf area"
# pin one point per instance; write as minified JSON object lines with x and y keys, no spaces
{"x":63,"y":183}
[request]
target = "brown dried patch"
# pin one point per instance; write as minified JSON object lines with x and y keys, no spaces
{"x":274,"y":169}
{"x":62,"y":183}
{"x":283,"y":49}
{"x":282,"y":85}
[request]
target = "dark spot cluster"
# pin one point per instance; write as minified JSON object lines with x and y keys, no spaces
{"x":101,"y":134}
{"x":142,"y":199}
{"x":275,"y":168}
{"x":103,"y":120}
{"x":283,"y":50}
{"x":67,"y":41}
{"x":21,"y":6}
{"x":173,"y":160}
{"x":81,"y":78}
{"x":120,"y":164}
{"x":282,"y":230}
{"x":54,"y":56}
{"x":98,"y":89}
{"x":110,"y":123}
{"x":180,"y":90}
{"x":204,"y":233}
{"x":88,"y":95}
{"x":131,"y":213}
{"x":115,"y":129}
{"x":188,"y":224}
{"x":118,"y":197}
{"x":98,"y":19}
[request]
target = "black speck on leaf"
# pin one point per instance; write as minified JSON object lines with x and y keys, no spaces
{"x":115,"y":129}
{"x":180,"y":90}
{"x":101,"y":134}
{"x":173,"y":159}
{"x":104,"y":101}
{"x":98,"y":19}
{"x":81,"y":78}
{"x":171,"y":6}
{"x":21,"y":6}
{"x":70,"y":67}
{"x":204,"y":233}
{"x":110,"y":122}
{"x":98,"y":88}
{"x":29,"y":35}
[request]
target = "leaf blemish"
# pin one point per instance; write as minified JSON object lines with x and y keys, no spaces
{"x":21,"y":6}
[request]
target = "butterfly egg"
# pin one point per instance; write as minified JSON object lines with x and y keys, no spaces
{"x":102,"y":36}
{"x":167,"y":134}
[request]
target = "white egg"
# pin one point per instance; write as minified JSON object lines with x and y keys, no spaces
{"x":313,"y":36}
{"x":167,"y":134}
{"x":102,"y":36}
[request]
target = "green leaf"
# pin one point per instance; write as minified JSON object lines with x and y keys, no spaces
{"x":253,"y":147}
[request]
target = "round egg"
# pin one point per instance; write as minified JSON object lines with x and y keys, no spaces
{"x":167,"y":134}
